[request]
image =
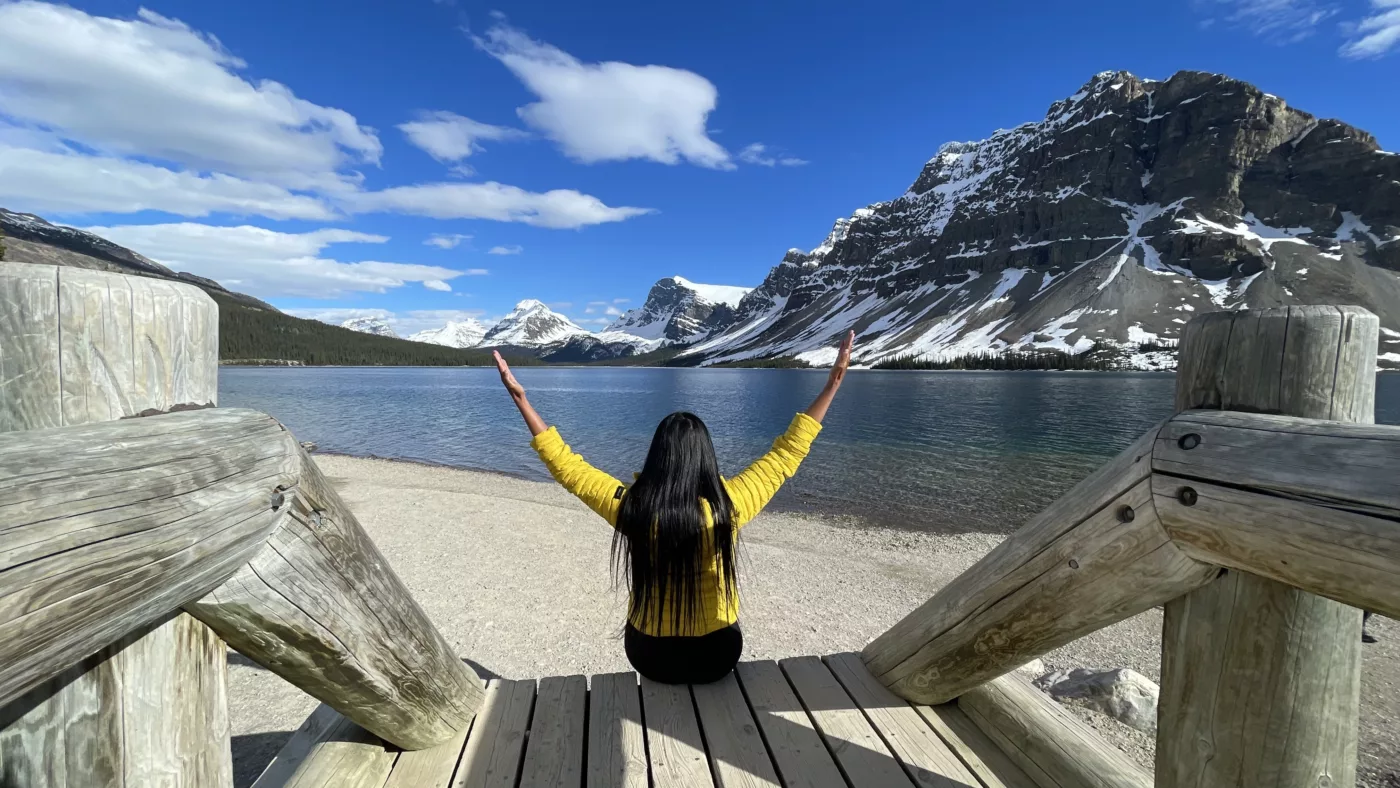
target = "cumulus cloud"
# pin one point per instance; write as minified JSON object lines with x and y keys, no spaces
{"x":437,"y":284}
{"x":558,"y":209}
{"x":758,"y":153}
{"x":154,"y":87}
{"x":506,"y":249}
{"x":611,"y":111}
{"x":449,"y":137}
{"x":1377,"y":34}
{"x":1278,"y":21}
{"x":270,"y":264}
{"x":446,"y":241}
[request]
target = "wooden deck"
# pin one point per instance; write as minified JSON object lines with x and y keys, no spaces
{"x":805,"y":722}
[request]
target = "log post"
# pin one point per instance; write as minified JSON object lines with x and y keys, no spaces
{"x":1261,"y":681}
{"x":78,"y":347}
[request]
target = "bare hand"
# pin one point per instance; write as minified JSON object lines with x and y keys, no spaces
{"x":512,"y":385}
{"x":843,"y":360}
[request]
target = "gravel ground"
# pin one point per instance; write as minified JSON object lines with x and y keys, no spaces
{"x":515,"y":575}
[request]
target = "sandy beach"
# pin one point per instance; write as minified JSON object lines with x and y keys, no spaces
{"x":515,"y":575}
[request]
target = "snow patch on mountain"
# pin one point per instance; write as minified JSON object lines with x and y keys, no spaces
{"x":370,"y":325}
{"x":531,"y":324}
{"x":456,"y":333}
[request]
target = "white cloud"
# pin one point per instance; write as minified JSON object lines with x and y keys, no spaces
{"x":437,"y":284}
{"x":758,"y":153}
{"x":449,"y":137}
{"x":516,"y":249}
{"x":269,"y":264}
{"x":156,"y":88}
{"x":74,"y":183}
{"x":558,"y":209}
{"x":611,"y":111}
{"x":594,"y":321}
{"x":476,"y":272}
{"x":595,"y":307}
{"x":446,"y":241}
{"x":622,"y":300}
{"x":1375,"y":35}
{"x":1278,"y":21}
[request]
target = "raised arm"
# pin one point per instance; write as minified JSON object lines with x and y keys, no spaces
{"x":755,"y":487}
{"x":599,"y":490}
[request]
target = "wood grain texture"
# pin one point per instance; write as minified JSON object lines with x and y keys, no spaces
{"x":926,"y":758}
{"x":30,"y":384}
{"x":492,"y":757}
{"x":148,"y":710}
{"x":320,"y":606}
{"x":738,"y":756}
{"x":674,"y":747}
{"x":329,"y":751}
{"x":1051,"y":746}
{"x":1260,"y":681}
{"x":857,"y":747}
{"x":430,"y":768}
{"x":802,"y":760}
{"x":108,"y":527}
{"x":993,"y":768}
{"x":1074,"y":569}
{"x":617,"y":755}
{"x":554,"y":756}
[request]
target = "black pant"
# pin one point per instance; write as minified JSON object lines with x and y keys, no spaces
{"x":684,"y":660}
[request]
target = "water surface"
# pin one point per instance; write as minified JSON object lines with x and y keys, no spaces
{"x":924,"y":450}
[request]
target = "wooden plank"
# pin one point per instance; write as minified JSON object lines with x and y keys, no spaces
{"x":30,"y":387}
{"x":738,"y":756}
{"x":320,"y":606}
{"x":66,"y":731}
{"x":926,"y":758}
{"x":1261,"y":681}
{"x":492,"y":756}
{"x":802,"y":760}
{"x":1074,"y":569}
{"x":430,"y":768}
{"x":865,"y":760}
{"x":329,"y":751}
{"x":1049,"y":744}
{"x":616,"y":736}
{"x":105,"y":528}
{"x":674,"y":747}
{"x":554,"y":756}
{"x":994,"y":768}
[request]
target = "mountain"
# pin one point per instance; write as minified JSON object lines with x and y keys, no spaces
{"x":1132,"y":206}
{"x":370,"y":325}
{"x":678,"y":310}
{"x":531,"y":325}
{"x":457,"y":333}
{"x":250,"y":330}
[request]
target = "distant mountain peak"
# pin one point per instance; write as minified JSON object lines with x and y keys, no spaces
{"x":456,"y":333}
{"x":678,"y":310}
{"x":531,"y":324}
{"x":370,"y":325}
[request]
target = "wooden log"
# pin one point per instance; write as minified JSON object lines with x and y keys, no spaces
{"x":1096,"y":556}
{"x":329,"y":751}
{"x":106,"y":528}
{"x":1260,"y":681}
{"x":319,"y":606}
{"x":1051,"y":746}
{"x":1311,"y":504}
{"x":148,"y":710}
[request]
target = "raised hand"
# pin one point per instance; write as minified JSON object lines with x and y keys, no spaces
{"x":843,"y":359}
{"x":512,"y":385}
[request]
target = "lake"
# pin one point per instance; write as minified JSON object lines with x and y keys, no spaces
{"x":944,"y":451}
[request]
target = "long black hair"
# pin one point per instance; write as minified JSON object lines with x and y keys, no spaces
{"x":661,"y":536}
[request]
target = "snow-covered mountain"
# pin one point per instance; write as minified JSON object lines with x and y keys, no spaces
{"x":531,"y":324}
{"x":457,"y":333}
{"x":678,"y":310}
{"x":1132,"y":206}
{"x":369,"y":325}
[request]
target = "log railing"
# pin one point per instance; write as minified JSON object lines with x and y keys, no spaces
{"x":1262,"y":525}
{"x":125,"y":499}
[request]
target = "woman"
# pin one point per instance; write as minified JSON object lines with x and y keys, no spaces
{"x":675,"y":530}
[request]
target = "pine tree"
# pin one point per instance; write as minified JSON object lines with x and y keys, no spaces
{"x":2,"y":245}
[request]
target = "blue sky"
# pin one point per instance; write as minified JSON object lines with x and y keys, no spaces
{"x":308,"y":152}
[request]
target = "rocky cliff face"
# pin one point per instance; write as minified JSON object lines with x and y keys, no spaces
{"x":678,"y":311}
{"x":1132,"y":206}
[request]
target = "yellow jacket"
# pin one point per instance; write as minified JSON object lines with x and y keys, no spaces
{"x":750,"y":491}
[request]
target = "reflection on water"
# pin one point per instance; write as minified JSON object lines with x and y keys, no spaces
{"x":924,"y":450}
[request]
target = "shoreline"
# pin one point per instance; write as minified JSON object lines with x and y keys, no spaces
{"x":515,"y":575}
